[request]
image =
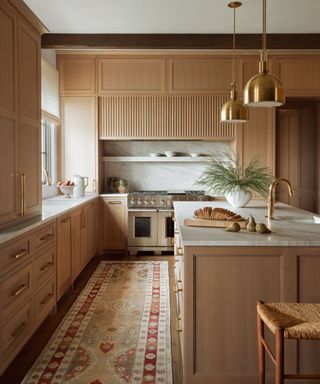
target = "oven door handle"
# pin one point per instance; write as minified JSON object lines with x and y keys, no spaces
{"x":142,"y":210}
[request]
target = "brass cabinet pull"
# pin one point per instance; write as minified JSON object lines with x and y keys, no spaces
{"x":65,"y":220}
{"x":20,"y":209}
{"x":18,"y":292}
{"x":46,"y":237}
{"x":19,"y":254}
{"x":24,"y":178}
{"x":179,"y":329}
{"x":17,"y":332}
{"x":178,"y":290}
{"x":176,"y":260}
{"x":46,"y":267}
{"x":46,"y":299}
{"x":115,"y":202}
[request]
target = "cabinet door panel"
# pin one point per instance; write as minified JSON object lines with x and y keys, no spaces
{"x":8,"y":209}
{"x":64,"y":255}
{"x":76,"y":243}
{"x":7,"y":58}
{"x":77,"y":76}
{"x":79,"y":134}
{"x":115,"y":224}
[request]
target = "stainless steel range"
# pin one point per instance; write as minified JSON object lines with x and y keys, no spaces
{"x":150,"y":222}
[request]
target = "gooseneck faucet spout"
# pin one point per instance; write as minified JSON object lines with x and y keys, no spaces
{"x":271,"y":197}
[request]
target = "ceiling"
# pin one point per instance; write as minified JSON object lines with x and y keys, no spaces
{"x":175,"y":16}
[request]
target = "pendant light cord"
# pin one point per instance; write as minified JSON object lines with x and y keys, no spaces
{"x":264,"y":29}
{"x":234,"y":48}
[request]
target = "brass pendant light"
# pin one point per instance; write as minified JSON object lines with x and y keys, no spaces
{"x":264,"y":89}
{"x":233,"y":110}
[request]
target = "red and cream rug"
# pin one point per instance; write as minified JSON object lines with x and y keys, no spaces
{"x":118,"y":330}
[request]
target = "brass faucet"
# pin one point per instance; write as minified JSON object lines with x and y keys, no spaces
{"x":271,"y":197}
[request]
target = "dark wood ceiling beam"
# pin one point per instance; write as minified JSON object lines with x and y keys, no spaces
{"x":177,"y":41}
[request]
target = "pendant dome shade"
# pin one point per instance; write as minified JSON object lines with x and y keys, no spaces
{"x":264,"y":90}
{"x":233,"y":110}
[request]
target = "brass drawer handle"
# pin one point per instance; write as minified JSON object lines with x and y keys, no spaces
{"x":178,"y":290}
{"x":115,"y":202}
{"x":21,"y":193}
{"x":24,"y":209}
{"x":19,"y":254}
{"x":46,"y":267}
{"x":48,"y":236}
{"x":18,"y":331}
{"x":18,"y":292}
{"x":46,"y":299}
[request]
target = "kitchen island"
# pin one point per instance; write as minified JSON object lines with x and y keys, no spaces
{"x":221,"y":275}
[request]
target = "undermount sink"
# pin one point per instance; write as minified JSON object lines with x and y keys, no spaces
{"x":314,"y":220}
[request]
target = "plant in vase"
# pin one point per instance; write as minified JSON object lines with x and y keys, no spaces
{"x":224,"y":175}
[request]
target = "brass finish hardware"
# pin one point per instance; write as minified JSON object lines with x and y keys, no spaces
{"x":179,"y":281}
{"x":20,"y":210}
{"x":65,"y":220}
{"x":115,"y":202}
{"x":17,"y":332}
{"x":178,"y":325}
{"x":19,"y":254}
{"x":24,"y":209}
{"x":46,"y":267}
{"x":46,"y":299}
{"x":18,"y":292}
{"x":271,"y":197}
{"x":48,"y":236}
{"x":178,"y":290}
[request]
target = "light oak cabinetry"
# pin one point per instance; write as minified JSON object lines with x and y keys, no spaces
{"x":79,"y":138}
{"x":64,"y":271}
{"x":115,"y":222}
{"x":77,"y":264}
{"x":300,"y":75}
{"x":20,"y":191}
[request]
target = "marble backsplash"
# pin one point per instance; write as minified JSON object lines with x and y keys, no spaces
{"x":158,"y":175}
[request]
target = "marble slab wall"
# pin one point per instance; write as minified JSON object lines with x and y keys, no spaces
{"x":159,"y":175}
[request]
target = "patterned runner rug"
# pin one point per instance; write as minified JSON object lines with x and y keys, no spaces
{"x":117,"y":331}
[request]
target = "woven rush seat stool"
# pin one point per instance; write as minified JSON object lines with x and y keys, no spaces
{"x":298,"y":321}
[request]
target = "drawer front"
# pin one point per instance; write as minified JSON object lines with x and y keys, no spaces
{"x":14,"y":334}
{"x":43,"y":267}
{"x":44,"y":236}
{"x":16,"y":289}
{"x":14,"y":254}
{"x":43,"y":301}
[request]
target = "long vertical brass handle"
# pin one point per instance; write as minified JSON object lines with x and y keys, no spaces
{"x":24,"y":178}
{"x":20,"y":193}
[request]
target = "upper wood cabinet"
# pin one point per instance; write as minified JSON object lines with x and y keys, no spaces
{"x":131,"y":76}
{"x":20,"y":189}
{"x":300,"y":75}
{"x":77,"y":76}
{"x":163,"y":117}
{"x":200,"y":76}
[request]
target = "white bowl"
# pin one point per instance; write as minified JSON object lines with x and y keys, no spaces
{"x":194,"y":154}
{"x":67,"y":190}
{"x":170,"y":153}
{"x":155,"y":154}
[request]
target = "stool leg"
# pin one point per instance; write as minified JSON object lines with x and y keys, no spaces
{"x":261,"y":351}
{"x":279,"y":356}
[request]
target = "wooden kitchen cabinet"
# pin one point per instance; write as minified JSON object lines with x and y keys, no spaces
{"x":64,"y":269}
{"x":93,"y":229}
{"x":77,"y":75}
{"x":79,"y":139}
{"x":115,"y":222}
{"x":77,"y":264}
{"x":20,"y":190}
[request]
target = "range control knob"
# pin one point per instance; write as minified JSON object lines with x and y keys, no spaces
{"x":152,"y":201}
{"x":146,"y":201}
{"x":139,"y":202}
{"x":132,"y":202}
{"x":162,"y":202}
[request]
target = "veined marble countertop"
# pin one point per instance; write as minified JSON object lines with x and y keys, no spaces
{"x":296,"y":227}
{"x":51,"y":209}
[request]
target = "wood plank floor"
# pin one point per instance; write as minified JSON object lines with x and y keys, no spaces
{"x":22,"y":363}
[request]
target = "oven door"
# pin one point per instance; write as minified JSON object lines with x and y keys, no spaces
{"x":142,"y":228}
{"x":165,"y":229}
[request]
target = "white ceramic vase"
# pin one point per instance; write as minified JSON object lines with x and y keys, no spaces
{"x":239,"y":197}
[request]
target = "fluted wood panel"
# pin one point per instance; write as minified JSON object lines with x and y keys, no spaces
{"x":165,"y":117}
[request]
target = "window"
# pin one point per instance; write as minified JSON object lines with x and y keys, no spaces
{"x":48,"y":152}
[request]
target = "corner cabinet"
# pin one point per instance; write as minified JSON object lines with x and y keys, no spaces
{"x":20,"y":103}
{"x":115,"y":222}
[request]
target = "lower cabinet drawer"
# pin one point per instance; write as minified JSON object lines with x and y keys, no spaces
{"x":44,"y":236}
{"x":14,"y":334}
{"x":14,"y":254}
{"x":44,"y":267}
{"x":43,"y":301}
{"x":15,"y":291}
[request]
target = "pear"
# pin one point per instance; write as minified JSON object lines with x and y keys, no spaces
{"x":262,"y":228}
{"x":251,"y":226}
{"x":234,"y":227}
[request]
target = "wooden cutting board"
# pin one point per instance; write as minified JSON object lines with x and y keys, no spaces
{"x":192,"y":222}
